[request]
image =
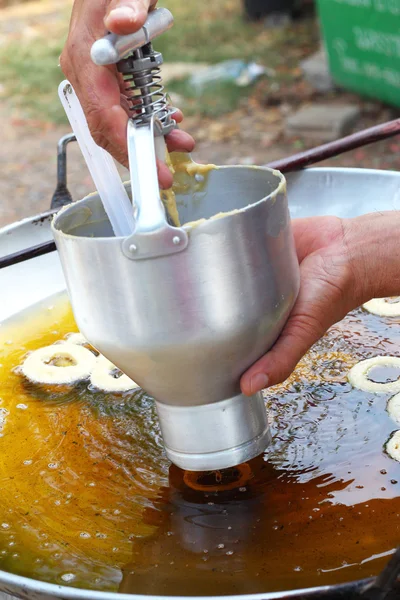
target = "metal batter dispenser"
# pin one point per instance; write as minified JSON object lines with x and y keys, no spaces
{"x":183,"y":311}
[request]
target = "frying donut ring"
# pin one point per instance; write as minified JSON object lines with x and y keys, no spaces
{"x":382,"y":308}
{"x":77,"y":338}
{"x":357,"y":376}
{"x":103,"y":379}
{"x":37,"y":366}
{"x":392,"y":447}
{"x":393,"y":408}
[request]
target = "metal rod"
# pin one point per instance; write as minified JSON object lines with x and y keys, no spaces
{"x":286,"y":165}
{"x":61,"y":196}
{"x":27,"y":254}
{"x":351,"y":142}
{"x":62,"y":157}
{"x":384,"y":583}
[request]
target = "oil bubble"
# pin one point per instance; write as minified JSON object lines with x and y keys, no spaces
{"x":67,"y":577}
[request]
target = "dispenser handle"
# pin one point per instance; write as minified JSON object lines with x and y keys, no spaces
{"x":112,"y":48}
{"x":153,"y":236}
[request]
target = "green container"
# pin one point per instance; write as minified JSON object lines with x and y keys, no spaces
{"x":362,"y":39}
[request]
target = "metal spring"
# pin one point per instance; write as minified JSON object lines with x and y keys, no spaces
{"x":145,"y":93}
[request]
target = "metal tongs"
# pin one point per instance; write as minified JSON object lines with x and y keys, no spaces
{"x":385,"y":583}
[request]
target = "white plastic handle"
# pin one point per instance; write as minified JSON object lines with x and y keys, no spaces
{"x":101,"y":166}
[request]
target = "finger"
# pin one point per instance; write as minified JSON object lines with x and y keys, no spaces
{"x":300,"y":333}
{"x":102,"y":123}
{"x":125,"y":104}
{"x":307,"y":234}
{"x":177,"y":115}
{"x":302,"y":229}
{"x":179,"y":141}
{"x":101,"y":101}
{"x":320,"y":304}
{"x":164,"y":175}
{"x":127,"y":16}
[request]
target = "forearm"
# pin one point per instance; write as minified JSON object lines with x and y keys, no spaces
{"x":372,"y":243}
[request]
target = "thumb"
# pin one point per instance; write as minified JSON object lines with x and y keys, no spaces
{"x":127,"y":16}
{"x":321,"y":303}
{"x":299,"y":334}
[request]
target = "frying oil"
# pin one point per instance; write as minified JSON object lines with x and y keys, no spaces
{"x":88,"y":498}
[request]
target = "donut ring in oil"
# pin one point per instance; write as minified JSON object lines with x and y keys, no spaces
{"x":58,"y":364}
{"x":218,"y":481}
{"x":106,"y":377}
{"x":393,"y":408}
{"x":80,"y":340}
{"x":382,"y":308}
{"x":392,"y":447}
{"x":77,"y":338}
{"x":358,"y":375}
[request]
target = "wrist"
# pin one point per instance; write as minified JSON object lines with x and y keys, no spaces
{"x":373,"y":252}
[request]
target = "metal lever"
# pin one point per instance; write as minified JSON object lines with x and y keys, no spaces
{"x":112,"y":48}
{"x":153,"y":236}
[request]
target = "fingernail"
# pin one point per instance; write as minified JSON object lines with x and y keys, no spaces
{"x":258,"y":382}
{"x":122,"y":13}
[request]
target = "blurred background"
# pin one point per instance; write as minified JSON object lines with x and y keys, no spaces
{"x":257,"y":80}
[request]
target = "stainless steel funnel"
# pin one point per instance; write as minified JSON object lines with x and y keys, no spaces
{"x":186,"y":325}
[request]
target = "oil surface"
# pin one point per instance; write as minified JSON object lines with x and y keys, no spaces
{"x":76,"y":468}
{"x":89,"y":500}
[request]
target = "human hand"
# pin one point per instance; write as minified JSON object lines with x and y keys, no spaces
{"x":101,"y":89}
{"x":343,"y":263}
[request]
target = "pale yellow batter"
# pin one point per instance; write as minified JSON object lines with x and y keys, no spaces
{"x":184,"y":171}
